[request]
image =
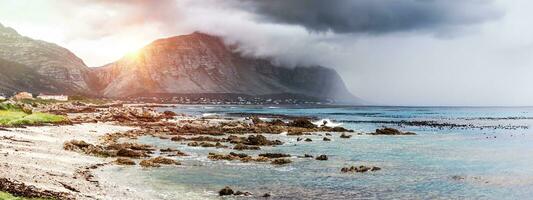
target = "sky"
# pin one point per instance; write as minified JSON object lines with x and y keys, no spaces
{"x":389,"y":52}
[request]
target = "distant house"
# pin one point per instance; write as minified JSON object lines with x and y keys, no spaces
{"x":23,"y":95}
{"x":53,"y":97}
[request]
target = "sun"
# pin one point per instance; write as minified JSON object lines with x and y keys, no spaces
{"x":134,"y":55}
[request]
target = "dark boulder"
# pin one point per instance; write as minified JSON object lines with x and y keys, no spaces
{"x":302,"y":123}
{"x":390,"y":131}
{"x":322,"y":157}
{"x":345,"y":136}
{"x":226,"y":191}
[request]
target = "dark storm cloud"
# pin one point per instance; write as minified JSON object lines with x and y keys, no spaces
{"x":373,"y":16}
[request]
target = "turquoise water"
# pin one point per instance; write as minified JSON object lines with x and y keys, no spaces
{"x":491,"y":160}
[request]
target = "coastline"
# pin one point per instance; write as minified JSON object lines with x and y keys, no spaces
{"x":130,"y":152}
{"x":53,"y":161}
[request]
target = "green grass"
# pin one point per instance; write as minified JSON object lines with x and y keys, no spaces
{"x":17,"y":118}
{"x":7,"y":196}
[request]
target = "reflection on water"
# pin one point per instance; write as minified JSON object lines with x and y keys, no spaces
{"x":490,"y":163}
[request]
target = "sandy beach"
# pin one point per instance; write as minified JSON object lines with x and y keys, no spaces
{"x":35,"y":156}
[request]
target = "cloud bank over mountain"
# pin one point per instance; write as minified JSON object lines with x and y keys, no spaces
{"x":414,"y":52}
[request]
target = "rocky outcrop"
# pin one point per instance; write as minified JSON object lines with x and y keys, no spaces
{"x":201,"y":63}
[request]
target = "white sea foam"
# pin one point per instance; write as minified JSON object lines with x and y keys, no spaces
{"x":208,"y":114}
{"x":328,"y":124}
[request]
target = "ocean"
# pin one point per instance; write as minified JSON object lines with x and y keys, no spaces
{"x":458,"y":153}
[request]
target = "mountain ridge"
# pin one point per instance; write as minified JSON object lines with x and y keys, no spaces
{"x":47,"y":59}
{"x":200,"y":62}
{"x":187,"y":64}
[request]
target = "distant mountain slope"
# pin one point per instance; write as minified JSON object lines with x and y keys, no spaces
{"x":15,"y":77}
{"x":48,"y":60}
{"x":200,"y":63}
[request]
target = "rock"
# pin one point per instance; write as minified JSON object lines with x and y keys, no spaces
{"x":261,"y":140}
{"x":308,"y":140}
{"x":149,"y":163}
{"x":328,"y":134}
{"x":225,"y":191}
{"x":345,"y":136}
{"x":131,"y":153}
{"x":241,"y":147}
{"x":274,"y":155}
{"x":165,"y":161}
{"x":299,"y":139}
{"x":124,"y":161}
{"x":256,"y":120}
{"x":156,"y":162}
{"x":302,"y":123}
{"x":391,"y":131}
{"x":168,"y":150}
{"x":360,"y":169}
{"x":322,"y":157}
{"x":84,"y":147}
{"x":177,"y":138}
{"x":239,"y":193}
{"x":266,"y":195}
{"x":181,"y":153}
{"x":240,"y":155}
{"x":308,"y":156}
{"x":169,"y":114}
{"x":277,"y":122}
{"x":281,"y":161}
{"x":326,"y":139}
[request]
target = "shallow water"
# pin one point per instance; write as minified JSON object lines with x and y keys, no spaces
{"x":438,"y":163}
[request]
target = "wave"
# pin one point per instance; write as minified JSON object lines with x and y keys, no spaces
{"x":329,"y":123}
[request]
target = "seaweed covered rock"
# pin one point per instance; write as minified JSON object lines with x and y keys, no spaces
{"x":345,"y":136}
{"x":391,"y":131}
{"x":124,"y":161}
{"x":241,"y":147}
{"x":131,"y":153}
{"x":158,"y":161}
{"x":275,"y":155}
{"x":322,"y":157}
{"x":281,"y":161}
{"x":360,"y":169}
{"x":302,"y":123}
{"x":260,"y":140}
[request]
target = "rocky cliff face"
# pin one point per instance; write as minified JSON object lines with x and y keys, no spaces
{"x":50,"y":61}
{"x":200,"y":63}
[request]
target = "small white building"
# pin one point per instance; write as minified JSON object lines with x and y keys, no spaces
{"x":53,"y":97}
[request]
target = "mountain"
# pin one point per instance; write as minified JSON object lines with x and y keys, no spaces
{"x":201,"y":63}
{"x":15,"y":77}
{"x":53,"y":64}
{"x":189,"y":64}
